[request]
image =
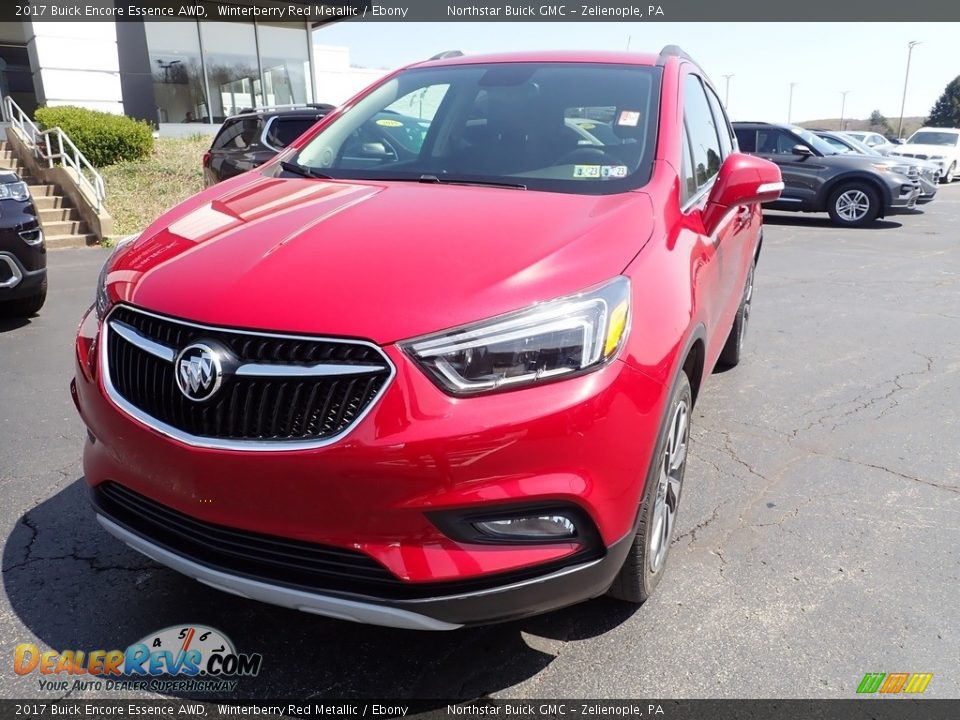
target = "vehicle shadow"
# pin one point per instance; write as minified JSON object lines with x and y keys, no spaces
{"x":12,"y":323}
{"x":75,"y":587}
{"x":804,"y":220}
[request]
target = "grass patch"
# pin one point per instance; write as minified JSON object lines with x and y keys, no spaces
{"x":139,"y":191}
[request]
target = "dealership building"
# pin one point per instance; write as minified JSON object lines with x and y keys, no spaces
{"x":170,"y":73}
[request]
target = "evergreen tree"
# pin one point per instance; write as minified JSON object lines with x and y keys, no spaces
{"x":946,"y":111}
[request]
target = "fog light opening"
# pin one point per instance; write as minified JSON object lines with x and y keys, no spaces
{"x":547,"y":527}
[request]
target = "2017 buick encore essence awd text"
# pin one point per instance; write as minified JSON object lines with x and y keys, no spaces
{"x":438,"y":387}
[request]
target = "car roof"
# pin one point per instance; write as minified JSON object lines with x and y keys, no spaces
{"x":548,"y":56}
{"x":939,"y":129}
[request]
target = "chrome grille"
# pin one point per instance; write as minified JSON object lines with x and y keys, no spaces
{"x":284,"y":391}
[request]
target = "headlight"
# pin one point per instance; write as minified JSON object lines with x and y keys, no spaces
{"x":547,"y":341}
{"x":14,"y":191}
{"x":102,"y":302}
{"x":893,"y":168}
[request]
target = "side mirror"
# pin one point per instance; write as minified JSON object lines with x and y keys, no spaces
{"x":742,"y":180}
{"x":799,"y":149}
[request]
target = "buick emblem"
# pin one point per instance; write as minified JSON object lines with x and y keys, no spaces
{"x":199,"y":370}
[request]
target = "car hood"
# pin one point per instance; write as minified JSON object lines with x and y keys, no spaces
{"x":942,"y":150}
{"x":378,"y":260}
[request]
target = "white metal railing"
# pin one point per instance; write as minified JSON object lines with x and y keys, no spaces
{"x":54,"y":146}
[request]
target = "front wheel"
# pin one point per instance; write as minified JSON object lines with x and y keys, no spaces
{"x":25,"y":307}
{"x":948,"y":175}
{"x":643,"y":567}
{"x":854,"y":205}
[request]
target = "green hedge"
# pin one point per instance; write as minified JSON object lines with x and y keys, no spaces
{"x":104,"y":138}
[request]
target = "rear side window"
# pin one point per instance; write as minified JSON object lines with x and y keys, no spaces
{"x":238,"y":134}
{"x":704,"y":139}
{"x":746,"y":139}
{"x":727,"y":142}
{"x":284,"y":131}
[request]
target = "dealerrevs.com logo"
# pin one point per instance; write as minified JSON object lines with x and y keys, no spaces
{"x":193,"y":658}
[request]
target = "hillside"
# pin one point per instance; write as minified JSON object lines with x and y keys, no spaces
{"x":910,"y":124}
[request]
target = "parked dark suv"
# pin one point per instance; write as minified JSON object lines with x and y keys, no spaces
{"x":854,"y":189}
{"x":23,"y":256}
{"x":249,"y":139}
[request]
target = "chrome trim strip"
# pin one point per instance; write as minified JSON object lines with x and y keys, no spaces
{"x":326,"y":605}
{"x":227,"y":444}
{"x":132,"y":336}
{"x":16,"y":273}
{"x":318,"y":370}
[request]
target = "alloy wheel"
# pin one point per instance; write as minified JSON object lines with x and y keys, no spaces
{"x":668,"y":487}
{"x":853,"y":205}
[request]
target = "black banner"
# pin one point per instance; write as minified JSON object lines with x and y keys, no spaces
{"x":481,"y":11}
{"x":537,"y":709}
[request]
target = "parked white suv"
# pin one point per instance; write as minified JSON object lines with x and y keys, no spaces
{"x":940,"y":145}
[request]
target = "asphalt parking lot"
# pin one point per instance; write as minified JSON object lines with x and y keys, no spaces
{"x":818,"y":532}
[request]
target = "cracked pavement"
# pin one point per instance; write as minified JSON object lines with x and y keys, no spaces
{"x":817,"y":538}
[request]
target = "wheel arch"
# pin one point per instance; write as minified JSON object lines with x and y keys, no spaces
{"x":826,"y":191}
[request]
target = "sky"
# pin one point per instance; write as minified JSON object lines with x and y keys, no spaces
{"x":823,"y":59}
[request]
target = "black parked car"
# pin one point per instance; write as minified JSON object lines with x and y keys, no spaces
{"x":854,"y":189}
{"x":23,"y":256}
{"x":250,"y":138}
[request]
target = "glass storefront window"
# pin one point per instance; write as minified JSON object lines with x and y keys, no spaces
{"x":174,"y":50}
{"x":233,"y":75}
{"x":285,"y":62}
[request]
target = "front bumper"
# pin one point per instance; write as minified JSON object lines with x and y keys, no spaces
{"x":16,"y":281}
{"x":905,"y":197}
{"x":510,"y":601}
{"x":585,"y":442}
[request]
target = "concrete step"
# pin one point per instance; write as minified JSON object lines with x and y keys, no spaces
{"x":47,"y":202}
{"x":57,"y":214}
{"x":42,"y":190}
{"x":55,"y":242}
{"x":64,"y":227}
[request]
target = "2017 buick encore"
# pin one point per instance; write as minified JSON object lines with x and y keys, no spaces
{"x":440,"y":377}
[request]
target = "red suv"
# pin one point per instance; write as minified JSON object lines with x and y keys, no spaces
{"x":435,"y":377}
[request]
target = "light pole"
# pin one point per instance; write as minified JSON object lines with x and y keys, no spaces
{"x":790,"y":104}
{"x":910,"y":46}
{"x":726,"y":92}
{"x":843,"y":106}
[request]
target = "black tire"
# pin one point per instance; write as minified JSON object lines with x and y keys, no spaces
{"x":733,"y":348}
{"x":644,"y":565}
{"x":854,"y":204}
{"x":948,"y":175}
{"x":25,"y":307}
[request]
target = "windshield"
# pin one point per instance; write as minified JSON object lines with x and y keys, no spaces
{"x":562,"y":127}
{"x":817,"y":143}
{"x":926,"y":137}
{"x":859,"y":136}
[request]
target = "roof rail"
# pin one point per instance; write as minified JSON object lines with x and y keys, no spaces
{"x":446,"y":54}
{"x":287,"y":106}
{"x":670,"y":51}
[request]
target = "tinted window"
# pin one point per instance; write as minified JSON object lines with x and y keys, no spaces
{"x":238,"y":134}
{"x":688,"y":183}
{"x":503,"y":122}
{"x":284,"y":131}
{"x":774,"y":141}
{"x":703,"y":131}
{"x":723,"y":125}
{"x":746,"y":139}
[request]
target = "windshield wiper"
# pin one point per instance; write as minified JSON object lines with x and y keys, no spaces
{"x":486,"y":183}
{"x":303,"y":171}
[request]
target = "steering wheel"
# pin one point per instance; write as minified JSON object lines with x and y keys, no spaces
{"x":585,"y":156}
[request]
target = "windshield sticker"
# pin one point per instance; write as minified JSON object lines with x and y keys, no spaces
{"x":389,"y":123}
{"x":614,"y":171}
{"x":629,"y":118}
{"x":586,"y":171}
{"x":587,"y":126}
